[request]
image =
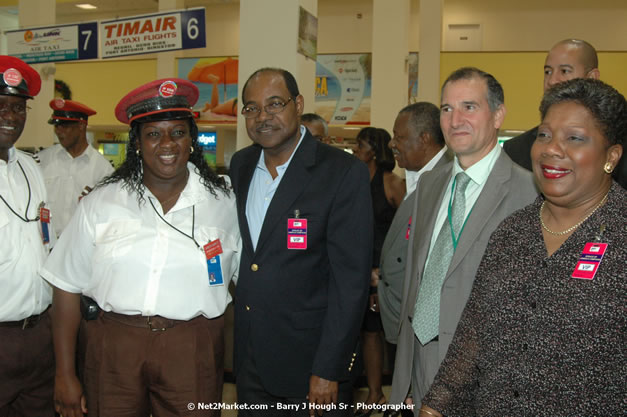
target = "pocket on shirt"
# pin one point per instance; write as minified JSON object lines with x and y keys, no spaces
{"x":209,"y":234}
{"x":116,"y":238}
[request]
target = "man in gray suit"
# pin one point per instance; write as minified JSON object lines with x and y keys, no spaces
{"x":461,"y":204}
{"x":418,"y":146}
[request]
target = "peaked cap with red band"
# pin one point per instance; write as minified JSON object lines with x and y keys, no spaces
{"x":165,"y":99}
{"x":17,"y":78}
{"x":69,"y":111}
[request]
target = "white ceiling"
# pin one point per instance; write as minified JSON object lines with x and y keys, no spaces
{"x":67,"y":12}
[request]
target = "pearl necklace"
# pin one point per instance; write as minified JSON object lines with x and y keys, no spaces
{"x":570,"y":229}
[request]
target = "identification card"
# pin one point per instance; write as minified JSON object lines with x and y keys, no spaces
{"x":589,"y":261}
{"x":214,"y":268}
{"x":44,"y":218}
{"x":408,"y":229}
{"x":297,"y":234}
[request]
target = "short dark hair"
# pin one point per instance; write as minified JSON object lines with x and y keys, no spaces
{"x":290,"y":81}
{"x":425,"y":117}
{"x":495,"y":96}
{"x":378,"y":139}
{"x":313,"y":117}
{"x":604,"y":102}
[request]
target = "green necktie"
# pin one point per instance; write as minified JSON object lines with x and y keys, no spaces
{"x":426,"y":319}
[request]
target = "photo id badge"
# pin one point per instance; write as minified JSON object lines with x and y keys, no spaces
{"x":214,"y":268}
{"x":589,"y":260}
{"x":44,"y":218}
{"x":297,"y":234}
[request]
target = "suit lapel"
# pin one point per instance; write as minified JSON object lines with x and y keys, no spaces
{"x":429,"y":205}
{"x":294,"y":181}
{"x":247,"y":169}
{"x":491,"y":196}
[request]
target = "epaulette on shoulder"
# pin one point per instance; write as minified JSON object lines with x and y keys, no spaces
{"x":35,"y":157}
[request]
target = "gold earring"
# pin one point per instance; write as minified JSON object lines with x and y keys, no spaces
{"x":608,"y":168}
{"x":191,"y":149}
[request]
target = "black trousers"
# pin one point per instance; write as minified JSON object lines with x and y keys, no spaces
{"x":252,"y":394}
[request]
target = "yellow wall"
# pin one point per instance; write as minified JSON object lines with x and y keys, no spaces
{"x":520,"y":74}
{"x":101,"y":84}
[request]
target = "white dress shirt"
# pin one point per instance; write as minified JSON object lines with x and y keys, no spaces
{"x":123,"y":255}
{"x":66,"y":178}
{"x":22,"y":252}
{"x":478,"y":173}
{"x":262,"y":189}
{"x":412,"y":177}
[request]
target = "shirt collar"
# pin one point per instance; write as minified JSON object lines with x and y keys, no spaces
{"x":412,"y":177}
{"x":280,"y":169}
{"x":84,"y":154}
{"x":480,"y":171}
{"x":193,"y":193}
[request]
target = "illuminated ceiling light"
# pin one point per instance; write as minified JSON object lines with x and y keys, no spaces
{"x":86,"y":6}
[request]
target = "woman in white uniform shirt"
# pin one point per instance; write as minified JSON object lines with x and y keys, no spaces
{"x":155,"y":245}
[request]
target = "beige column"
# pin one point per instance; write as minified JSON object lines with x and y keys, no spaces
{"x":166,"y":61}
{"x":390,"y":49}
{"x":269,"y":38}
{"x":429,"y":54}
{"x":38,"y":132}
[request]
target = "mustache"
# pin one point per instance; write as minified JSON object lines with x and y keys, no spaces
{"x":264,"y":126}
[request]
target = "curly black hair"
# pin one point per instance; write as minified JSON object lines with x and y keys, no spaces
{"x":378,"y":139}
{"x":606,"y":105}
{"x":131,"y":173}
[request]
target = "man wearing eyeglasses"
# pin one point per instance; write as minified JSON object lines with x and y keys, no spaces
{"x":26,"y":353}
{"x":305,"y":217}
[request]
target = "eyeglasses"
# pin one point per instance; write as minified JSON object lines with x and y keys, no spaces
{"x":15,"y":108}
{"x":275,"y":107}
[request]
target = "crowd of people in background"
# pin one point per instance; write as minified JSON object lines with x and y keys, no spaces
{"x":493,"y":276}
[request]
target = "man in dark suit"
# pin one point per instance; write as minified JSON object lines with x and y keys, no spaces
{"x":460,"y":204}
{"x":305,"y":217}
{"x":568,"y":59}
{"x":418,"y":146}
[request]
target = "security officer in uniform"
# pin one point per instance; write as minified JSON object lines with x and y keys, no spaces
{"x":73,"y":167}
{"x":26,"y":354}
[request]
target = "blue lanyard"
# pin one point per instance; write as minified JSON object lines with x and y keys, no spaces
{"x":450,"y":221}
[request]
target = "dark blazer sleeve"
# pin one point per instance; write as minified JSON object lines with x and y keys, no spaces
{"x":349,"y":245}
{"x":519,"y":148}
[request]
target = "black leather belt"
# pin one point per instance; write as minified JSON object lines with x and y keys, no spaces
{"x":152,"y":323}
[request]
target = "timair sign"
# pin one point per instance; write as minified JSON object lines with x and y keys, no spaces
{"x":177,"y":29}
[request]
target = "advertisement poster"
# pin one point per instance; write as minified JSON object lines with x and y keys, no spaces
{"x":307,"y":34}
{"x":216,"y":79}
{"x":343,"y":85}
{"x":54,"y":43}
{"x":179,"y":29}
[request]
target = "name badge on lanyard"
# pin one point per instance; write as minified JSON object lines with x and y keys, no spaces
{"x":589,"y":261}
{"x":214,"y":268}
{"x":297,"y":233}
{"x":44,"y":218}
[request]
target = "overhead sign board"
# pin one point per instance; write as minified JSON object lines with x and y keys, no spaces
{"x":179,"y":29}
{"x":54,"y":43}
